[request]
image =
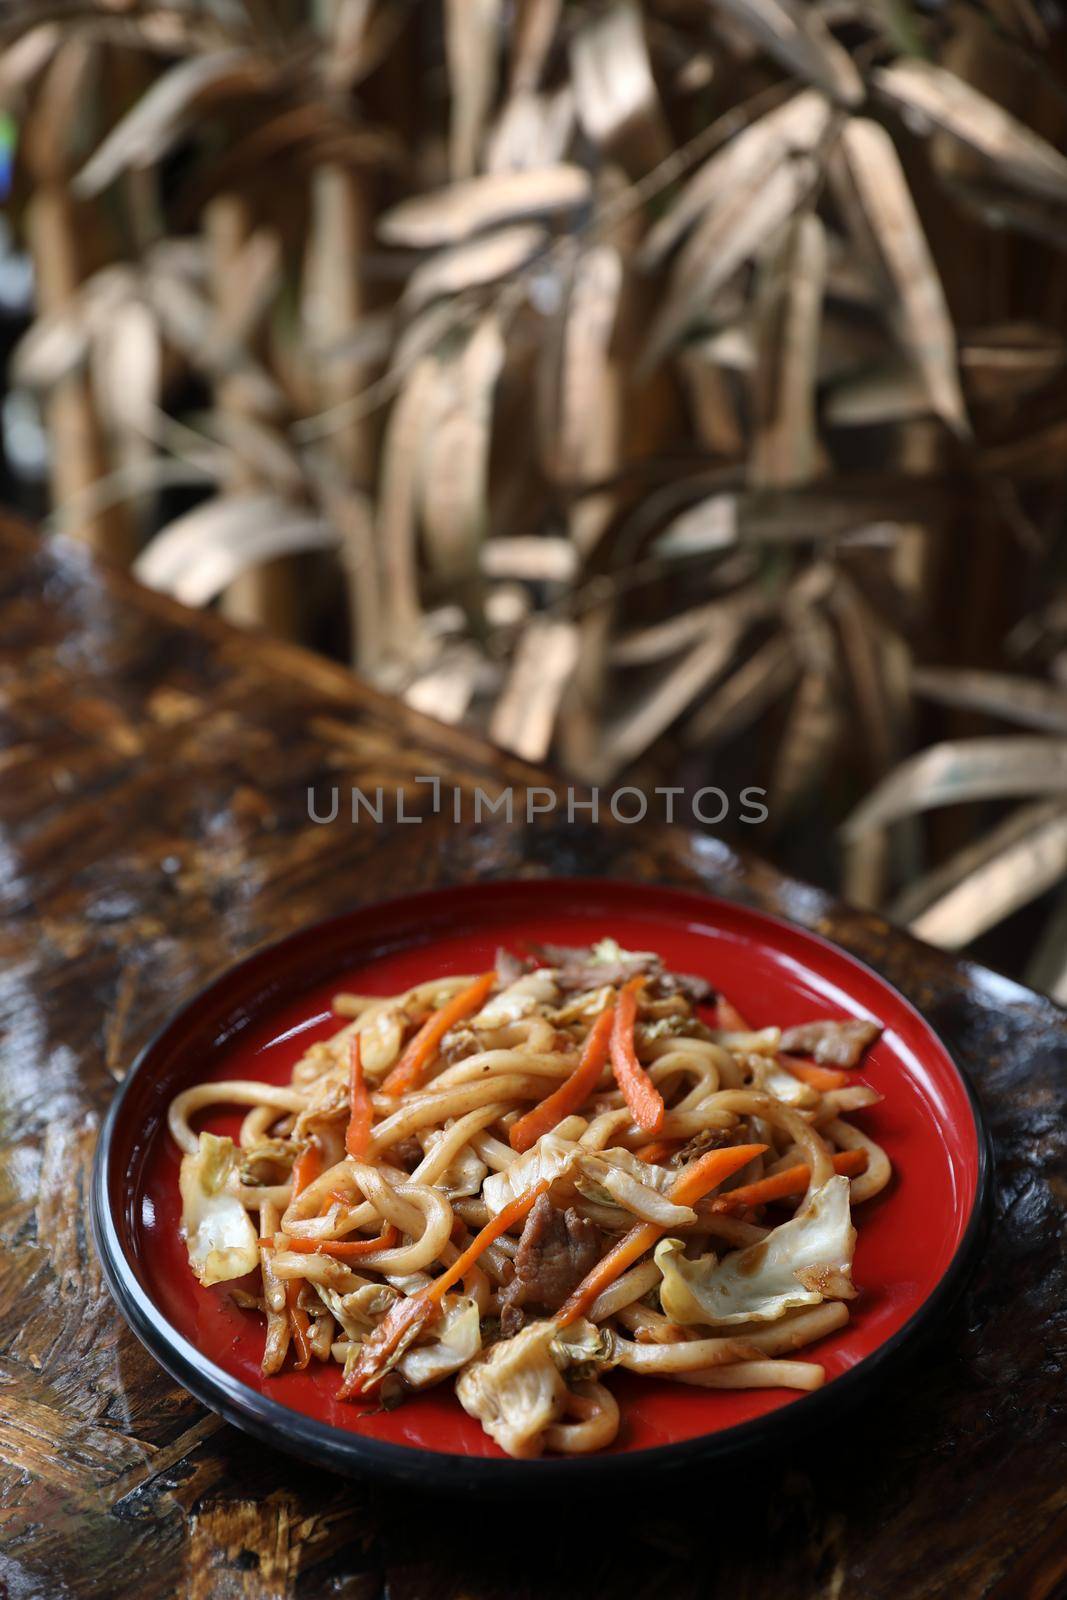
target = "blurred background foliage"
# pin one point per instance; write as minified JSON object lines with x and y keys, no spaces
{"x":675,"y":391}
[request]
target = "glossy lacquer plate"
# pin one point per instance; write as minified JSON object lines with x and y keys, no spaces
{"x":915,"y":1240}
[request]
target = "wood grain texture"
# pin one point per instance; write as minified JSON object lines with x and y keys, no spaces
{"x":154,"y":768}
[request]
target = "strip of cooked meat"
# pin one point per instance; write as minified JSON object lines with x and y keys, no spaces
{"x":556,"y":1250}
{"x":697,"y":990}
{"x":406,"y":1153}
{"x":833,"y":1044}
{"x":458,"y":1043}
{"x":509,"y":967}
{"x":699,"y":1145}
{"x":577,"y":969}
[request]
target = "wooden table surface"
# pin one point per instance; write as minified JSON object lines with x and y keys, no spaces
{"x":154,"y":768}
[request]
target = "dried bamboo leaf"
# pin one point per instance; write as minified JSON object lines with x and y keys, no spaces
{"x":264,"y":448}
{"x":917,"y":898}
{"x":856,"y":273}
{"x":362,"y":35}
{"x":926,"y":326}
{"x":662,"y":639}
{"x":582,"y":706}
{"x":126,"y":369}
{"x":892,"y":393}
{"x":876,"y":662}
{"x":632,"y":734}
{"x":473,"y":265}
{"x":614,"y":90}
{"x":1027,"y":701}
{"x":932,"y":95}
{"x":21,"y":62}
{"x":472,"y":34}
{"x":785,"y":446}
{"x":795,"y":128}
{"x":707,"y":526}
{"x":162,"y":114}
{"x":732,"y":347}
{"x":161,"y":33}
{"x":365,"y":344}
{"x":982,"y":885}
{"x":535,"y":558}
{"x":446,"y":691}
{"x":712,"y":400}
{"x":848,"y":280}
{"x":508,"y":606}
{"x":798,"y":39}
{"x":198,"y":555}
{"x":454,"y":489}
{"x":435,"y":325}
{"x":1013,"y":358}
{"x":59,"y":341}
{"x":811,"y":732}
{"x":964,"y":769}
{"x":50,"y":140}
{"x":524,"y":717}
{"x":532,"y":32}
{"x":590,"y":408}
{"x":407,"y":436}
{"x":532,"y":132}
{"x":743,"y":697}
{"x":726,"y":238}
{"x":790,"y":517}
{"x":306,"y":135}
{"x":878,"y":659}
{"x":257,"y":266}
{"x":815,"y":719}
{"x":445,"y":216}
{"x":185,"y":314}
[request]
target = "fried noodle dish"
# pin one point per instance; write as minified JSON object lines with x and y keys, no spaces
{"x":523,"y":1180}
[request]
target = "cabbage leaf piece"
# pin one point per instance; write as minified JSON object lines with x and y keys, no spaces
{"x":457,"y":1339}
{"x":619,"y":1178}
{"x":217,"y":1229}
{"x":800,"y":1263}
{"x":515,"y":1390}
{"x":520,"y":999}
{"x":549,"y":1158}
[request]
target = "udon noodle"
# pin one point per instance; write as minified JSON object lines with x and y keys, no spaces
{"x":527,"y":1179}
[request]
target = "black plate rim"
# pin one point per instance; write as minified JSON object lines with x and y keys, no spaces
{"x":354,"y":1455}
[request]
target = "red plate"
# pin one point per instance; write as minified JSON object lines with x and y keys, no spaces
{"x":914,"y":1243}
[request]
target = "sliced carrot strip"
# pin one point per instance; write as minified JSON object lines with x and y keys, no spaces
{"x":299,"y":1323}
{"x":408,"y":1072}
{"x":691,"y":1184}
{"x":361,"y":1111}
{"x":794,"y":1180}
{"x":306,"y":1168}
{"x":570,"y":1095}
{"x":822,"y":1078}
{"x":416,"y":1309}
{"x":344,"y":1249}
{"x":640,"y":1093}
{"x":728,"y":1018}
{"x":658,"y":1149}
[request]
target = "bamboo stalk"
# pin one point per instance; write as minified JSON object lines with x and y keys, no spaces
{"x":334,"y":304}
{"x":58,"y":230}
{"x":266,"y":596}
